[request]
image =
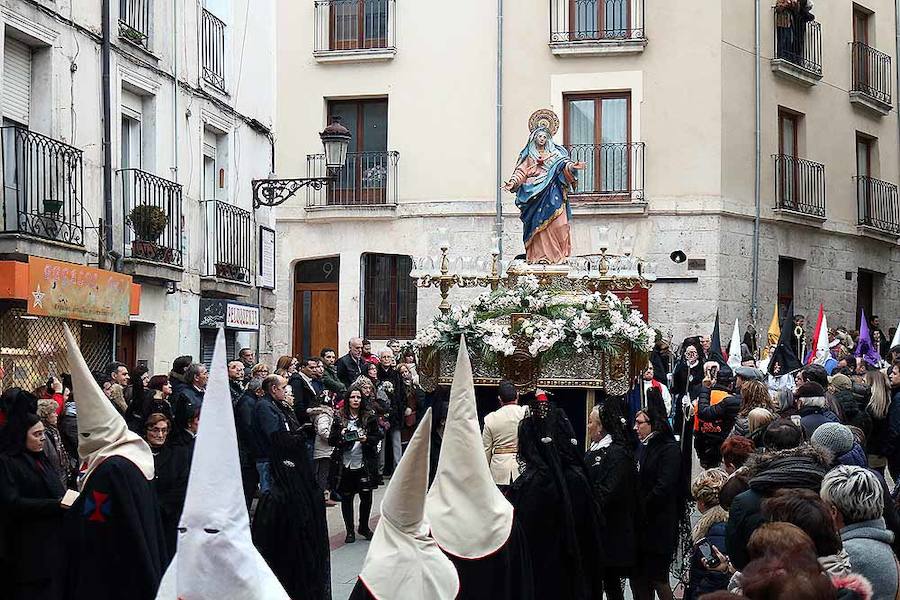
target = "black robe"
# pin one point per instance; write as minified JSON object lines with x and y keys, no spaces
{"x":114,"y":536}
{"x":289,"y":528}
{"x":172,"y":465}
{"x":504,"y":575}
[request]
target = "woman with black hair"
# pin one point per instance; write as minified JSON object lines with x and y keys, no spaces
{"x":355,"y":436}
{"x":30,"y":493}
{"x":613,"y":477}
{"x":659,"y":477}
{"x":289,"y":528}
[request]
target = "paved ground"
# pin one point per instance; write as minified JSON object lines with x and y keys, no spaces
{"x":347,"y":559}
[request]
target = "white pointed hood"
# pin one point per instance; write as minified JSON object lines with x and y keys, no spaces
{"x":469,"y":516}
{"x":216,"y":559}
{"x":823,"y":348}
{"x":102,"y":432}
{"x":896,"y":341}
{"x":404,"y":562}
{"x":734,"y":348}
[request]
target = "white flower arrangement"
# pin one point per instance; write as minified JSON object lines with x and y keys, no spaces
{"x":581,"y":323}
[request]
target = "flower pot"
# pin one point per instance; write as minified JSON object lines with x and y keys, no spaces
{"x":52,"y":207}
{"x":143,"y":249}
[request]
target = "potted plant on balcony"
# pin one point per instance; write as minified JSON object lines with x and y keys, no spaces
{"x":52,"y":207}
{"x":148,"y":223}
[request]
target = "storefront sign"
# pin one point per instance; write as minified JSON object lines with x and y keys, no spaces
{"x":266,"y":278}
{"x":69,"y":291}
{"x":231,"y":315}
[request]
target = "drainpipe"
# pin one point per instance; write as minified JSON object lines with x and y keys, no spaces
{"x":897,"y":32}
{"x":105,"y":58}
{"x":498,"y":225}
{"x":754,"y":294}
{"x":175,"y":49}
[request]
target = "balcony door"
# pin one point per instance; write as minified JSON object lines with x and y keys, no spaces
{"x":363,"y":180}
{"x":789,"y":172}
{"x":598,"y":132}
{"x":864,"y":146}
{"x":358,"y":24}
{"x":599,"y":19}
{"x":862,"y":67}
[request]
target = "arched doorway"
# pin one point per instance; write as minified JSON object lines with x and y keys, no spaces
{"x":316,"y":305}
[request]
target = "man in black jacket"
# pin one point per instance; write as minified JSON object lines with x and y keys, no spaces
{"x":350,"y":366}
{"x":303,"y":384}
{"x":195,"y":377}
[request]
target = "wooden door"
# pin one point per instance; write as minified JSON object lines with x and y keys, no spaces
{"x":126,"y":346}
{"x":315,"y":318}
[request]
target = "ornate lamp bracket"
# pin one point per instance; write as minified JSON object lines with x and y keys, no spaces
{"x":273,"y":192}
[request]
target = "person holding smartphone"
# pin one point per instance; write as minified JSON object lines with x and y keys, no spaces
{"x":708,"y":536}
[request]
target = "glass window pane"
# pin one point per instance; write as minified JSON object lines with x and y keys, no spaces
{"x":615,"y":149}
{"x":581,"y":140}
{"x":615,"y":18}
{"x":585,"y":14}
{"x":376,"y":23}
{"x":345,"y":24}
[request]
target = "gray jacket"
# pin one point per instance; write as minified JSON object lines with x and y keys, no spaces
{"x":869,"y":545}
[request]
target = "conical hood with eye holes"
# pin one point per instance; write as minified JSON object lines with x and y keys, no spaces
{"x":102,"y":432}
{"x":216,"y":559}
{"x":403,"y":562}
{"x":470,"y":518}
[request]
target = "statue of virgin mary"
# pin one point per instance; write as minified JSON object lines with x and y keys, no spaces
{"x":542,"y":180}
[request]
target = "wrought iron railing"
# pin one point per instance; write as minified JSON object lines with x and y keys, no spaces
{"x":878,"y":204}
{"x":212,"y":51}
{"x":871,"y":72}
{"x":798,"y":41}
{"x":799,"y":185}
{"x":228,"y":241}
{"x":368,"y":178}
{"x":596,"y":20}
{"x":134,"y":21}
{"x":354,"y":24}
{"x":612,"y":171}
{"x":43,"y":186}
{"x":151,"y":217}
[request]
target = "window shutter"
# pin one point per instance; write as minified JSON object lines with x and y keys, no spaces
{"x":16,"y":81}
{"x":208,"y":345}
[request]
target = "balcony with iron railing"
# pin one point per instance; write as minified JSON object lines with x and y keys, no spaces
{"x":212,"y":50}
{"x":871,"y":85}
{"x":798,"y":49}
{"x":799,"y":187}
{"x":367,"y":179}
{"x":134,"y":21}
{"x":228,"y":243}
{"x":348,"y":30}
{"x":590,"y":27}
{"x":878,"y":206}
{"x":43,"y":187}
{"x":151,"y":222}
{"x":612,"y":173}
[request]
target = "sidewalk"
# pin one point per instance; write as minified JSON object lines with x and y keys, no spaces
{"x":347,"y":559}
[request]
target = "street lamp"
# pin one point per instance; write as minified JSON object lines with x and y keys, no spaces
{"x":272,"y":191}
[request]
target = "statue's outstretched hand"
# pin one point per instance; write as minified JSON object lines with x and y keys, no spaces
{"x":508,"y":186}
{"x":579,"y":166}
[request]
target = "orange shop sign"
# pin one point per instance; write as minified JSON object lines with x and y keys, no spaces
{"x":69,"y":291}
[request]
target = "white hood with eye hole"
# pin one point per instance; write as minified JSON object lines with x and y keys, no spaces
{"x":102,"y":432}
{"x":216,"y":559}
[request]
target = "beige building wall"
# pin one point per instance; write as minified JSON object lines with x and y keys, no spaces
{"x":692,"y":104}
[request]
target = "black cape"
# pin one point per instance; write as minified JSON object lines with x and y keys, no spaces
{"x":504,"y":575}
{"x":114,"y":536}
{"x":289,"y":528}
{"x":172,"y":465}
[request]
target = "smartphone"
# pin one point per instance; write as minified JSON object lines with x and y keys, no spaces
{"x":709,"y":557}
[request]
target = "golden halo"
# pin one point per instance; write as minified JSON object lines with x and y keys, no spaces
{"x":544,"y":118}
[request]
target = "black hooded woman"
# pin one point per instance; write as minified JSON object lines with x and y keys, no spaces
{"x":289,"y":528}
{"x":659,"y":492}
{"x":30,"y":493}
{"x":471,"y":520}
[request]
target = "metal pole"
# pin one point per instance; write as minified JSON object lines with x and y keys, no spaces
{"x":175,"y":51}
{"x":897,"y":46}
{"x":754,"y":294}
{"x":498,"y":225}
{"x":105,"y":58}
